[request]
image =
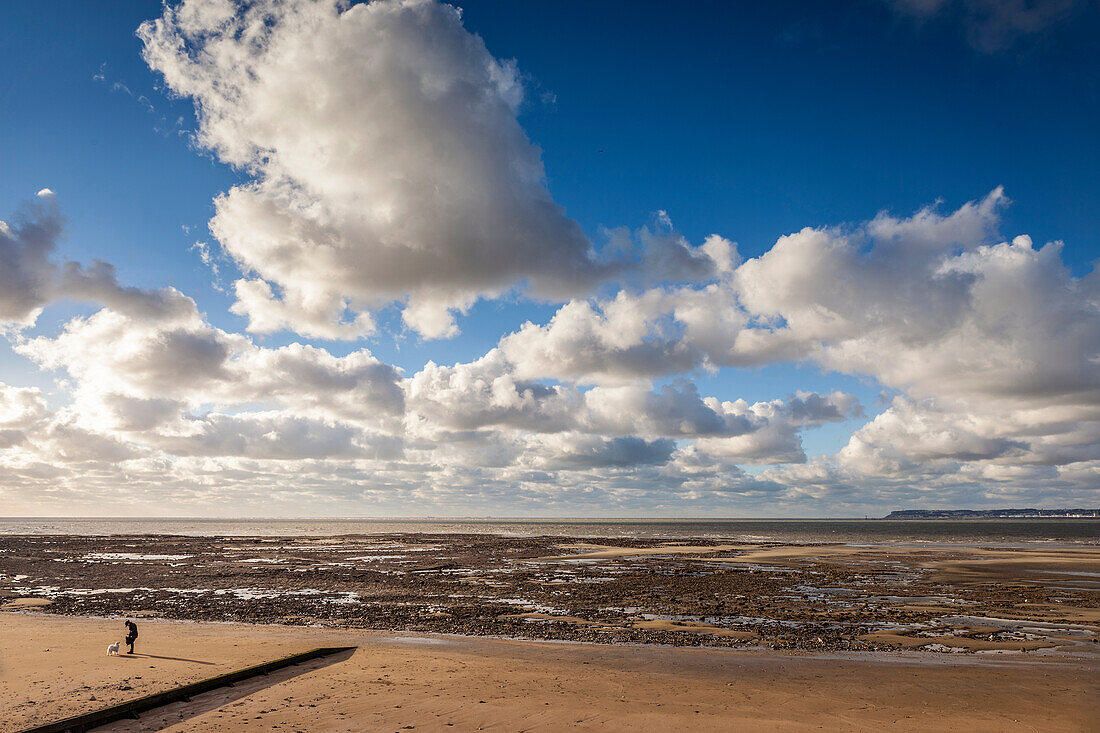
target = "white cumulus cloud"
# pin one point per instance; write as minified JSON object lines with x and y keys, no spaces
{"x":385,"y":155}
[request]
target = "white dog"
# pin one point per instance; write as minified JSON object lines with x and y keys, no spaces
{"x":112,"y":649}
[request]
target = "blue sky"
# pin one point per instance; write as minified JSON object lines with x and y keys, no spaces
{"x":746,"y":120}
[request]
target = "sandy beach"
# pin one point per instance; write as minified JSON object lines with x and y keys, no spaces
{"x":424,"y":682}
{"x":469,"y":632}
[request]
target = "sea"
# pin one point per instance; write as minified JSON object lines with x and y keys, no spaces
{"x":987,"y":532}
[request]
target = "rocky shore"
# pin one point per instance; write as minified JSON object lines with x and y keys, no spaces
{"x":809,"y":597}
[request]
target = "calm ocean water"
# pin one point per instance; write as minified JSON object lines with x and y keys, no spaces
{"x":991,"y":532}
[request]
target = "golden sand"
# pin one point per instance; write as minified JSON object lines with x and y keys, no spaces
{"x":394,"y":683}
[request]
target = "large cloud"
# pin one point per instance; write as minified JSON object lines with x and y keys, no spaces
{"x":386,"y":163}
{"x":936,"y":306}
{"x":386,"y":159}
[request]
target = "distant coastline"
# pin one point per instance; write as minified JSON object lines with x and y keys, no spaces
{"x":993,"y":514}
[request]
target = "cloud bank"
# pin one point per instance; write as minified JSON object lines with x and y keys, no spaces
{"x":994,"y":364}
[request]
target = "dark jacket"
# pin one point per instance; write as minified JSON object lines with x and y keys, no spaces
{"x":131,"y":630}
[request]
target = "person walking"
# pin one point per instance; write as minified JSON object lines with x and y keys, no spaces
{"x":131,"y":634}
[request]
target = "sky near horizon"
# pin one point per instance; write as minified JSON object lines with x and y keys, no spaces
{"x":408,"y":258}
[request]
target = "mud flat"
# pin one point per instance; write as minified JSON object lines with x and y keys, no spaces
{"x":936,"y":599}
{"x":396,"y":682}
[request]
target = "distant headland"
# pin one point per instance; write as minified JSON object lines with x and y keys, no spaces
{"x":991,"y":513}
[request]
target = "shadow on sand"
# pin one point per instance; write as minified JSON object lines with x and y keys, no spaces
{"x":139,"y":655}
{"x":177,"y":712}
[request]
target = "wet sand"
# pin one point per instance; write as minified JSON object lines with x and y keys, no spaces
{"x":396,"y":682}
